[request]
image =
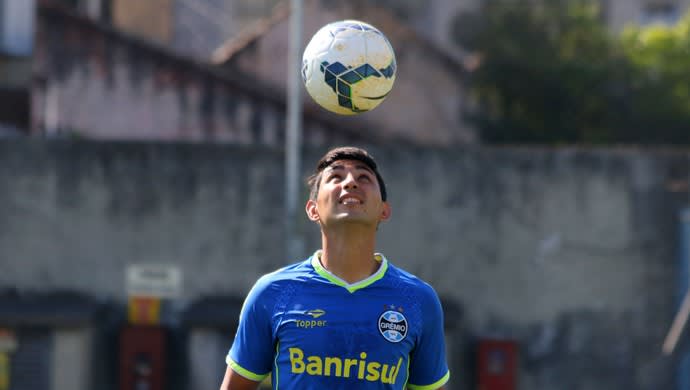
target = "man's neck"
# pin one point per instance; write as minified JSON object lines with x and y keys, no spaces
{"x":349,"y":256}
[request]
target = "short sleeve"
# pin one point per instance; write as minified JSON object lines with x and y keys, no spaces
{"x":251,"y":354}
{"x":428,"y":366}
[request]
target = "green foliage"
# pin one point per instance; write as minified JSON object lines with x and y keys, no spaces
{"x":551,"y":73}
{"x":660,"y":56}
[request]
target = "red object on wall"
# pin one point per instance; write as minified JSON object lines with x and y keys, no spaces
{"x":497,"y":365}
{"x":142,"y":358}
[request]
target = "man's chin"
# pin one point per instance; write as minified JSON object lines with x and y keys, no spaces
{"x":354,"y":219}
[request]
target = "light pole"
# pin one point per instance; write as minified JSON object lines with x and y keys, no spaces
{"x":293,"y":135}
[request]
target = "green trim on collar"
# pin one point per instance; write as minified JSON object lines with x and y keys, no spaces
{"x":318,"y":267}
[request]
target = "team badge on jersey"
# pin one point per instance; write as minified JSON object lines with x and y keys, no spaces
{"x":393,"y":326}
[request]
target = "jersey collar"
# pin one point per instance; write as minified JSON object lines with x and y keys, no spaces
{"x":318,"y":267}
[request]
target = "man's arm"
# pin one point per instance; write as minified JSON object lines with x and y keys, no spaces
{"x":235,"y":381}
{"x":428,"y":368}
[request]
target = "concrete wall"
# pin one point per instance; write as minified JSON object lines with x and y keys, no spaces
{"x":200,"y":27}
{"x":94,"y":82}
{"x":72,"y":355}
{"x":429,"y":102}
{"x":205,"y":346}
{"x":572,"y":253}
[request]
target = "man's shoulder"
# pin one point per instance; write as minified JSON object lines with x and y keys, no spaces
{"x":409,"y":281}
{"x":280,"y":282}
{"x":291,"y":273}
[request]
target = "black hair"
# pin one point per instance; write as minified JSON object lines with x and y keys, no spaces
{"x":344,"y":153}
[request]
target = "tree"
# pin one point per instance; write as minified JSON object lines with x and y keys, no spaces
{"x":660,"y":87}
{"x":550,"y":72}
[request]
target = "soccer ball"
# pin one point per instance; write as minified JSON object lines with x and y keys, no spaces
{"x":348,"y":67}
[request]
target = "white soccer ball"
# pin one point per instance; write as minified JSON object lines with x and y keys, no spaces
{"x":348,"y":67}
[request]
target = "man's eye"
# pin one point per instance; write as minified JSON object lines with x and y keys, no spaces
{"x":365,"y":178}
{"x":334,"y":177}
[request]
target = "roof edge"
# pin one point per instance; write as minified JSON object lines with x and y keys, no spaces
{"x":232,"y":46}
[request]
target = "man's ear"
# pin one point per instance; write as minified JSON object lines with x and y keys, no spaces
{"x":312,"y":211}
{"x":386,"y":212}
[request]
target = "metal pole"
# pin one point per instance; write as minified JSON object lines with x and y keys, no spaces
{"x":683,"y":367}
{"x":293,"y":132}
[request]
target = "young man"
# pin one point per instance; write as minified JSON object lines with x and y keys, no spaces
{"x":345,"y":318}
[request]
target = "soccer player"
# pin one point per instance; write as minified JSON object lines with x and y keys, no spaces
{"x":345,"y":318}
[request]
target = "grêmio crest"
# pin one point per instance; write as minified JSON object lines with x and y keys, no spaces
{"x":393,"y":326}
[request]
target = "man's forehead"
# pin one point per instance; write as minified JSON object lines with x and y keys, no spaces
{"x":342,"y":164}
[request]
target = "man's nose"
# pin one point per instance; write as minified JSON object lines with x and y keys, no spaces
{"x":349,"y":181}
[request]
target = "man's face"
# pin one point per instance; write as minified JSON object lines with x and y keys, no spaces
{"x":348,"y":192}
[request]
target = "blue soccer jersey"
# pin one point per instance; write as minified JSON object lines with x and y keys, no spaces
{"x":312,"y":330}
